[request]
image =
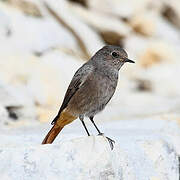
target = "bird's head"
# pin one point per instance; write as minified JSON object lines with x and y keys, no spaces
{"x":113,"y":56}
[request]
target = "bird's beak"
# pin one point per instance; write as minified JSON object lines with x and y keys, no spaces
{"x":128,"y":60}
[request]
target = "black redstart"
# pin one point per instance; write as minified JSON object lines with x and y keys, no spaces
{"x":91,"y":88}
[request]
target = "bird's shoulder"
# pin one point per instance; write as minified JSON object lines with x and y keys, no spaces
{"x":82,"y":73}
{"x":85,"y":69}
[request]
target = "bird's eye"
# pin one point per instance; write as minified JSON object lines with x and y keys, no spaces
{"x":115,"y":54}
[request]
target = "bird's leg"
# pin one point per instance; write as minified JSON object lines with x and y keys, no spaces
{"x":82,"y":120}
{"x":101,"y":134}
{"x":85,"y":127}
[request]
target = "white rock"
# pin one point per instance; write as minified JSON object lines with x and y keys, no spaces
{"x":4,"y":25}
{"x":144,"y":149}
{"x":102,"y":22}
{"x":18,"y":101}
{"x":175,"y":14}
{"x":144,"y":23}
{"x":91,"y":158}
{"x":3,"y":116}
{"x":30,"y":34}
{"x":169,"y":33}
{"x":89,"y":38}
{"x":123,"y":8}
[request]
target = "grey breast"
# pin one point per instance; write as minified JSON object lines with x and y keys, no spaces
{"x":94,"y":93}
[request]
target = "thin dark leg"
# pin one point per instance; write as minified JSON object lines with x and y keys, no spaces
{"x":91,"y":118}
{"x":101,"y":134}
{"x":81,"y":118}
{"x":85,"y":127}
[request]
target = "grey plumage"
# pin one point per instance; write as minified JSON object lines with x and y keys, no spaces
{"x":91,"y":88}
{"x":94,"y":83}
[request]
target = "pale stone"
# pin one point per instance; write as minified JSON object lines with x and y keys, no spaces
{"x":166,"y":32}
{"x":28,"y":7}
{"x":32,"y":35}
{"x":4,"y":25}
{"x":156,"y":53}
{"x":91,"y":158}
{"x":3,"y":116}
{"x":102,"y":22}
{"x":171,"y":12}
{"x":144,"y":23}
{"x":122,"y":8}
{"x":152,"y":52}
{"x":17,"y":101}
{"x":46,"y":113}
{"x":89,"y":40}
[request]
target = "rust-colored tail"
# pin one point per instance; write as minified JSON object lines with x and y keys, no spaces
{"x":52,"y":135}
{"x":64,"y":119}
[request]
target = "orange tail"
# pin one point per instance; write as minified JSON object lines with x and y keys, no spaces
{"x":52,"y":135}
{"x":64,"y":119}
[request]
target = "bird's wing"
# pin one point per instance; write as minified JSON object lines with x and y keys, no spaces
{"x":79,"y":78}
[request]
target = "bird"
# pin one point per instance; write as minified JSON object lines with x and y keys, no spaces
{"x":90,"y":89}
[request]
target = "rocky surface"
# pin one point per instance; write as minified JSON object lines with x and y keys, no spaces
{"x":140,"y":153}
{"x":90,"y":158}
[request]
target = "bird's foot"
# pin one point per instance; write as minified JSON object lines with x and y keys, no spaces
{"x":111,"y":141}
{"x":101,"y":134}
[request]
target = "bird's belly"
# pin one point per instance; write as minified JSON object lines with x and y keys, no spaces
{"x":92,"y":98}
{"x":99,"y":102}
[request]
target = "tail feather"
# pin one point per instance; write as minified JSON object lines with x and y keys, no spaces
{"x":62,"y":120}
{"x":52,"y":134}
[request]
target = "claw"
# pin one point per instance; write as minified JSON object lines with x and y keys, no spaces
{"x":101,"y":134}
{"x":109,"y":140}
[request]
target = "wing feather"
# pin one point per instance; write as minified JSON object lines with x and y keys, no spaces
{"x":76,"y":82}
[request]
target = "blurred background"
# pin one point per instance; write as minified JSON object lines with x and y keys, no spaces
{"x":42,"y":44}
